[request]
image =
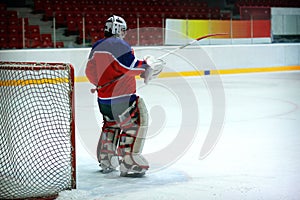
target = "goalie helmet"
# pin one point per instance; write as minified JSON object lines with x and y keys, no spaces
{"x":115,"y":26}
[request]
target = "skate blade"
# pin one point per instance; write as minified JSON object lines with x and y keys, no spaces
{"x":106,"y":171}
{"x":132,"y":175}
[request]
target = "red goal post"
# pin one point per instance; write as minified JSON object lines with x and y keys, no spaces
{"x":37,"y":124}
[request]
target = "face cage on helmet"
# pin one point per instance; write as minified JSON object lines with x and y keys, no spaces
{"x":116,"y":27}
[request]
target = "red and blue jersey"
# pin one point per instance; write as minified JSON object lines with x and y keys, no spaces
{"x":110,"y":59}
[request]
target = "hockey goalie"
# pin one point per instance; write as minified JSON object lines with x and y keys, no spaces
{"x":111,"y":68}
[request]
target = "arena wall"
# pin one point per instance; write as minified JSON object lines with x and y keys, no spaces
{"x":193,"y":60}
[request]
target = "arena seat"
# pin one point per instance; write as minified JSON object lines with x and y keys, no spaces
{"x":69,"y":14}
{"x":46,"y":40}
{"x":32,"y":31}
{"x":34,"y":42}
{"x":59,"y":44}
{"x":38,"y":6}
{"x":72,"y":26}
{"x":15,"y":30}
{"x":255,"y":12}
{"x":3,"y":7}
{"x":15,"y":42}
{"x":60,"y":19}
{"x":3,"y":41}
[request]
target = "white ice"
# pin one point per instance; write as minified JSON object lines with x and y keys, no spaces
{"x":257,"y":155}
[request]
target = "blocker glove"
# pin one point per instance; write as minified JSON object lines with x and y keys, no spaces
{"x":155,"y":66}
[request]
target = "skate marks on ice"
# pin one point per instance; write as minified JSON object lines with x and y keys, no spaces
{"x":95,"y":185}
{"x":172,"y":184}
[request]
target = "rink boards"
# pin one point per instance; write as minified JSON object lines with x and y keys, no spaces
{"x":190,"y":61}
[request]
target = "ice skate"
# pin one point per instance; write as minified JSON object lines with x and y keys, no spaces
{"x":132,"y":174}
{"x":134,"y":171}
{"x":106,"y":169}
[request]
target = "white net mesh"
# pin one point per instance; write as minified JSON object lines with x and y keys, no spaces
{"x":37,"y":129}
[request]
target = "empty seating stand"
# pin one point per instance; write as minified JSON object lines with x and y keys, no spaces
{"x":86,"y":18}
{"x":261,"y":8}
{"x":17,"y":33}
{"x":255,"y":12}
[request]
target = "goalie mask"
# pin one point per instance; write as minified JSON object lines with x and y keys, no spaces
{"x":115,"y":26}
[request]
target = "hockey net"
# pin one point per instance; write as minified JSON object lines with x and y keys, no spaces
{"x":37,"y":139}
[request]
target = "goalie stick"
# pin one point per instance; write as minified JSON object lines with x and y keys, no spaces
{"x":93,"y":90}
{"x":190,"y":43}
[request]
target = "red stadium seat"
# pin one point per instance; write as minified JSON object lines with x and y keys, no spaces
{"x":12,"y":14}
{"x":3,"y":30}
{"x":60,"y":19}
{"x":15,"y":30}
{"x":248,"y":12}
{"x":4,"y":41}
{"x":49,"y":12}
{"x":32,"y":31}
{"x":38,"y":6}
{"x":13,"y":21}
{"x":3,"y":7}
{"x":59,"y":44}
{"x":72,"y":26}
{"x":46,"y":40}
{"x":89,"y":21}
{"x":215,"y":13}
{"x":3,"y":22}
{"x":15,"y":42}
{"x":95,"y":37}
{"x":35,"y":42}
{"x":225,"y":16}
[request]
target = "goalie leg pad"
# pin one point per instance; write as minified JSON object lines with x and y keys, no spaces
{"x":132,"y":140}
{"x":106,"y":149}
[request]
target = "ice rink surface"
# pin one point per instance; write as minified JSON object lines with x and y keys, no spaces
{"x":256,"y":154}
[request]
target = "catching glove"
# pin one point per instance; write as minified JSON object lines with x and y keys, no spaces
{"x":155,"y":66}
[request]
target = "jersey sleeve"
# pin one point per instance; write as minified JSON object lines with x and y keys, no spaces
{"x":129,"y":60}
